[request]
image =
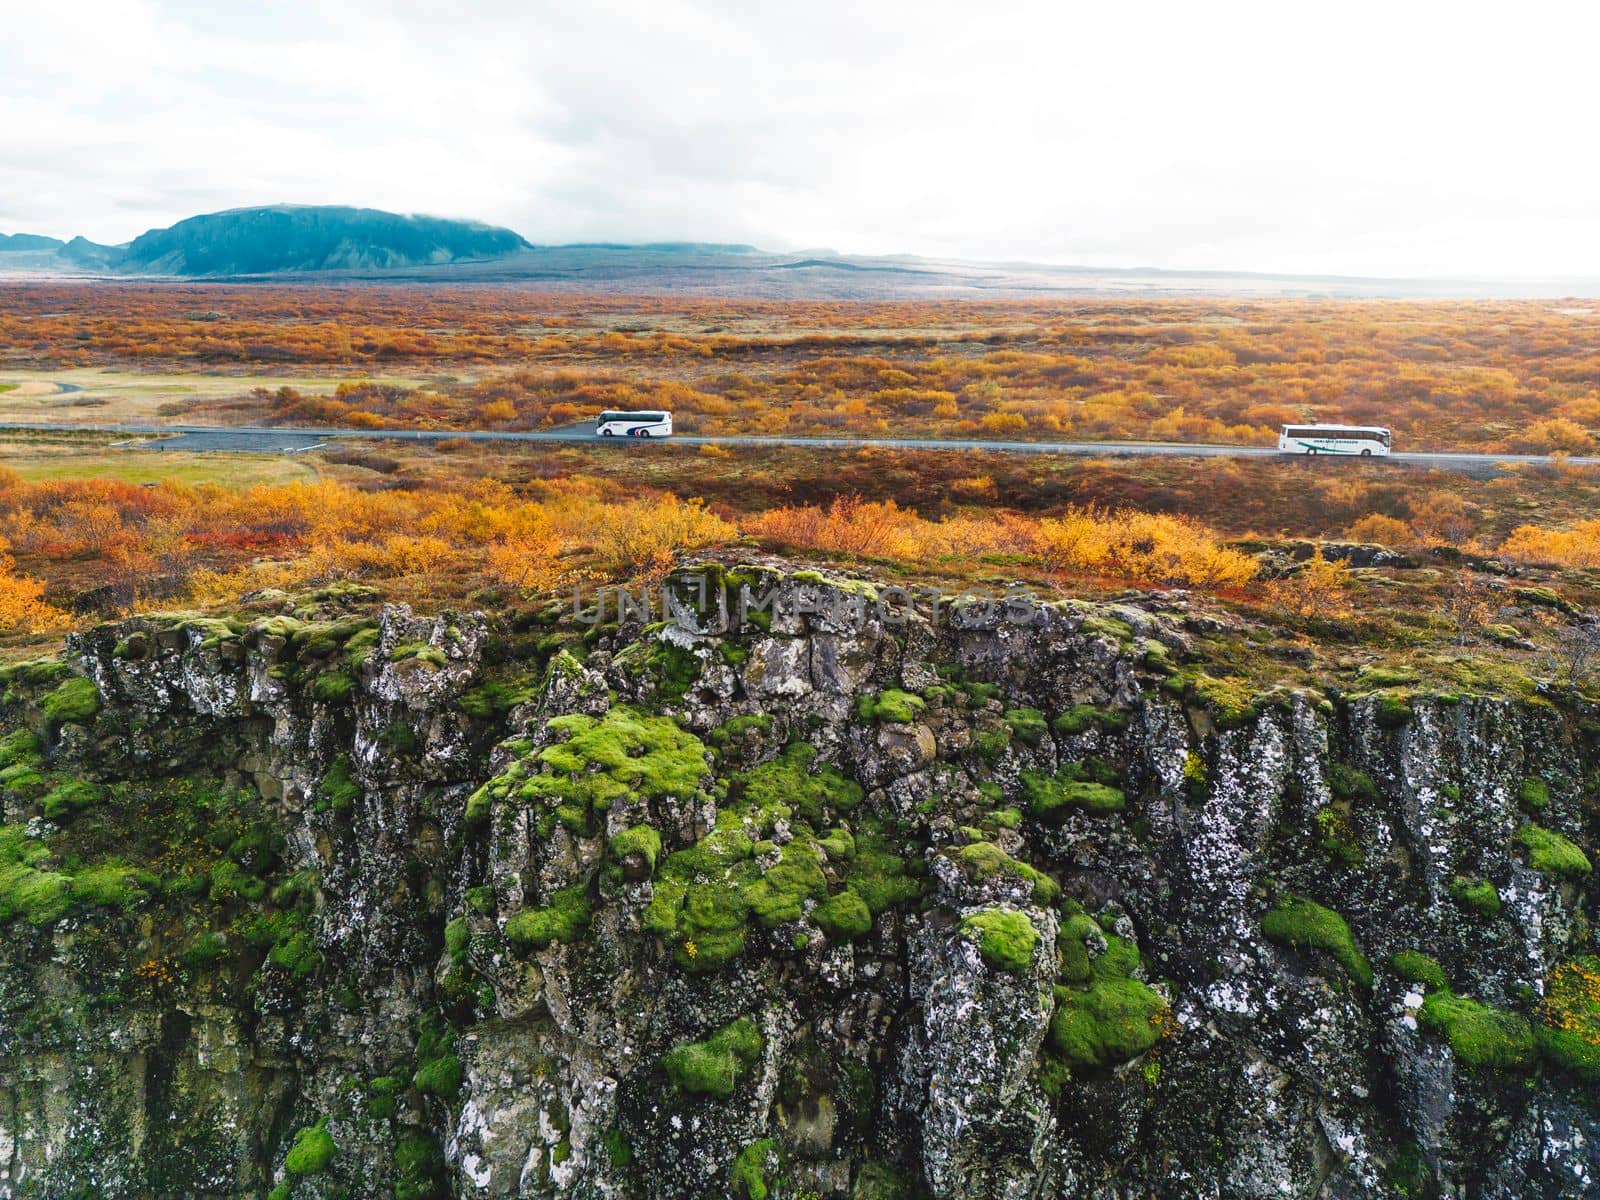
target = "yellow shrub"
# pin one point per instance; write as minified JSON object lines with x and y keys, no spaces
{"x":1575,"y":547}
{"x":1152,"y":547}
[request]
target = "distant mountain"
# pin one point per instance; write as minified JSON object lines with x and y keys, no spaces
{"x":19,"y":243}
{"x":261,"y":241}
{"x":355,"y":244}
{"x":81,"y":252}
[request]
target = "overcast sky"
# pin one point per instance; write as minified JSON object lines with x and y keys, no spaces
{"x":1390,"y":138}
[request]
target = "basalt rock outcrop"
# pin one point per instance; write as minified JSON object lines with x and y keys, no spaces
{"x":810,"y":890}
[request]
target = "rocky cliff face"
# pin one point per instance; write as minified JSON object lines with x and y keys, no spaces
{"x":329,"y":901}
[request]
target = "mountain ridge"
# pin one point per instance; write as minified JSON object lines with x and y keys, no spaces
{"x":340,"y":243}
{"x":283,"y":238}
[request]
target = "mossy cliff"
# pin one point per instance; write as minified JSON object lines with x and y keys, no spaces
{"x":329,"y":900}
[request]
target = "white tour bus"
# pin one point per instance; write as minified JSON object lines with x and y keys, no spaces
{"x":634,"y":424}
{"x":1365,"y":440}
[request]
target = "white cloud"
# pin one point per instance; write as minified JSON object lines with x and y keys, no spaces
{"x":1361,"y":138}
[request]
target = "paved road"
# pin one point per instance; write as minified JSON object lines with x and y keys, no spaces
{"x":271,"y":439}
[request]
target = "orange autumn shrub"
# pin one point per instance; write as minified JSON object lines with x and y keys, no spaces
{"x":1318,"y":588}
{"x":1150,"y":547}
{"x":1382,"y":530}
{"x":22,"y":605}
{"x":637,"y":533}
{"x":529,"y":564}
{"x":1578,"y":546}
{"x":850,"y":525}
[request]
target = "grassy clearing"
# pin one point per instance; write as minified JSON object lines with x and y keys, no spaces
{"x":37,"y":463}
{"x":92,"y":396}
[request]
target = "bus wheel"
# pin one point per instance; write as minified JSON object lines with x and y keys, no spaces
{"x":1311,"y":449}
{"x":1366,"y":453}
{"x":607,"y":433}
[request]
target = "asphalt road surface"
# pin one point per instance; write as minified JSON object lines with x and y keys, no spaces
{"x":262,"y":439}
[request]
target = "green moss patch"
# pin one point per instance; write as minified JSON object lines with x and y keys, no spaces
{"x":490,"y":699}
{"x":564,"y":919}
{"x":985,"y":860}
{"x":71,"y":796}
{"x":1386,"y":676}
{"x":844,"y":916}
{"x":780,"y":894}
{"x":989,"y":744}
{"x":29,"y":887}
{"x":438,"y":1069}
{"x":1351,"y":783}
{"x":230,"y":882}
{"x":1417,"y":967}
{"x":1336,"y":836}
{"x":1307,"y":925}
{"x":20,"y":747}
{"x":641,"y":840}
{"x":1109,"y":1022}
{"x":794,"y":783}
{"x":1231,"y":702}
{"x":715,"y":1066}
{"x":743,"y":728}
{"x":1479,"y":895}
{"x":699,"y":897}
{"x":1051,"y":797}
{"x":1027,"y":725}
{"x":1551,"y":854}
{"x":36,"y":888}
{"x":675,"y":669}
{"x":839,"y":844}
{"x":1392,"y":710}
{"x":1082,"y":717}
{"x":207,"y":948}
{"x":651,"y":756}
{"x":383,"y":1097}
{"x":624,"y":753}
{"x":296,"y":955}
{"x":360,"y":647}
{"x":1006,"y":938}
{"x":890,"y":707}
{"x":619,"y":1152}
{"x":419,"y":1168}
{"x":75,"y":701}
{"x":880,"y":874}
{"x":339,"y":789}
{"x":422,"y":652}
{"x":1533,"y":794}
{"x":707,"y":895}
{"x":110,"y":884}
{"x":312,"y":1151}
{"x":1482,"y":1037}
{"x":332,"y":686}
{"x":23,"y":781}
{"x":748,"y":1177}
{"x":1103,"y":1015}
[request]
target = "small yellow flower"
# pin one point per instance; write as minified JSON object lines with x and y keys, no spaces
{"x":691,"y":950}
